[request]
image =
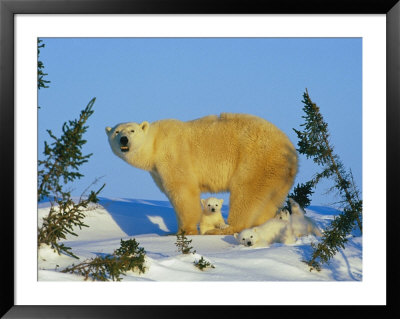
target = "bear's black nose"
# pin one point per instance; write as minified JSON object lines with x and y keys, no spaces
{"x":123,"y":140}
{"x":249,"y":243}
{"x":213,"y":210}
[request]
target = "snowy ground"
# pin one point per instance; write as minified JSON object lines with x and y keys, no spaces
{"x":153,"y":224}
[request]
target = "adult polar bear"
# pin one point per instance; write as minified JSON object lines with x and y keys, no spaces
{"x":237,"y":153}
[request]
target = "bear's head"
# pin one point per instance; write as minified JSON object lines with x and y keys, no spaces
{"x":283,"y":214}
{"x":295,"y":207}
{"x":126,"y":139}
{"x":212,"y":204}
{"x":247,"y":237}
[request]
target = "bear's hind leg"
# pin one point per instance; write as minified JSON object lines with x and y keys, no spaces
{"x":275,"y":200}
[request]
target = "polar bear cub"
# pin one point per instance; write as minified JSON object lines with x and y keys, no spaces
{"x":301,"y":224}
{"x":283,"y":214}
{"x":211,"y":216}
{"x":272,"y":231}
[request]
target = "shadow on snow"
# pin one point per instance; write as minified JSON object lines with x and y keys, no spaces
{"x":138,"y":217}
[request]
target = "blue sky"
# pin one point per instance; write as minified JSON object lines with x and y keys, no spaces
{"x":150,"y":79}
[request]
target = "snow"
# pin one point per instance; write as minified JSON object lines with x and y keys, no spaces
{"x":153,"y":225}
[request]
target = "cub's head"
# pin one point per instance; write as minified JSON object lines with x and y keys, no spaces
{"x":126,"y":138}
{"x":295,"y":207}
{"x":212,"y":204}
{"x":283,"y":214}
{"x":247,"y":237}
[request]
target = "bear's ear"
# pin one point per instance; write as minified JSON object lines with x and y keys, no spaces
{"x":203,"y":202}
{"x":236,"y":235}
{"x":221,"y":201}
{"x":293,"y":202}
{"x":144,"y":126}
{"x":108,"y":129}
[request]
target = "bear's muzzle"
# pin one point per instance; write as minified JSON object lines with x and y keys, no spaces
{"x":124,"y":144}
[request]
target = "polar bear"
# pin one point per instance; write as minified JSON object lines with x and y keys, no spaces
{"x":272,"y":231}
{"x":302,"y":225}
{"x":237,"y":153}
{"x":211,"y":216}
{"x":283,"y":214}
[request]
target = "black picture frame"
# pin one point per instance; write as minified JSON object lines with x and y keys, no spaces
{"x":8,"y":10}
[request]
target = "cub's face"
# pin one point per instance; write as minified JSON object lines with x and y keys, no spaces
{"x":283,"y":214}
{"x":247,"y":237}
{"x":126,"y":138}
{"x":212,"y":204}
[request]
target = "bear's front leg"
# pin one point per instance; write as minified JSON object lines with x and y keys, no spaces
{"x":186,"y":201}
{"x":228,"y":230}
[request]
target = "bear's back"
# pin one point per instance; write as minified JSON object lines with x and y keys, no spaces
{"x":240,"y":119}
{"x":247,"y":130}
{"x":234,"y":122}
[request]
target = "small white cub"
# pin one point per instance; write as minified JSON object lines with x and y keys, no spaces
{"x":211,"y":216}
{"x":283,"y":214}
{"x":272,"y":231}
{"x":301,"y":224}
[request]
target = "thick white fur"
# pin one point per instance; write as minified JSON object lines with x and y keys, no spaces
{"x":272,"y":231}
{"x":211,"y":216}
{"x":301,"y":224}
{"x":237,"y":153}
{"x":283,"y":214}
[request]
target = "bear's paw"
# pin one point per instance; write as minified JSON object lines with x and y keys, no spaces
{"x":226,"y":231}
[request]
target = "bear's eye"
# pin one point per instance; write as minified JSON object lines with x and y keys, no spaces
{"x":251,"y":236}
{"x":242,"y":238}
{"x":216,"y":204}
{"x":280,"y":217}
{"x":132,"y":131}
{"x":209,"y":205}
{"x":116,"y":132}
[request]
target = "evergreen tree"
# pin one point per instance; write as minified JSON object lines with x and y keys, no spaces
{"x":202,"y":264}
{"x":314,"y":142}
{"x":63,"y":157}
{"x":183,"y":244}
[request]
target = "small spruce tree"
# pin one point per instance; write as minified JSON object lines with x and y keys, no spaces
{"x":314,"y":142}
{"x":183,"y":244}
{"x":128,"y":257}
{"x":203,"y":264}
{"x":63,"y":157}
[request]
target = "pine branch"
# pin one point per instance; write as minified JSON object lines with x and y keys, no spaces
{"x":40,"y":66}
{"x":63,"y":219}
{"x":334,"y":238}
{"x":128,"y":257}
